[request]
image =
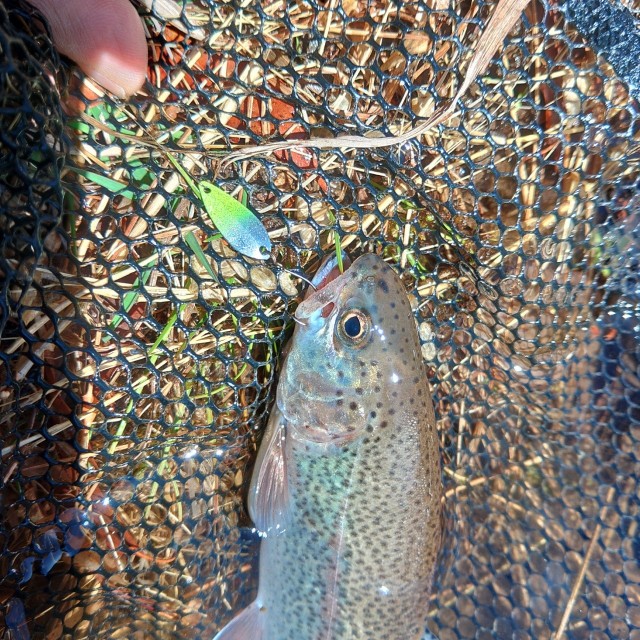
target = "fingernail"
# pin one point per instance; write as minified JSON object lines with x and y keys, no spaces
{"x":109,"y":84}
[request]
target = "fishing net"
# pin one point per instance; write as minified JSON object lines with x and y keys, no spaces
{"x":139,"y":351}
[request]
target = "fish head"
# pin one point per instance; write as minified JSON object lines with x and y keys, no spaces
{"x":354,"y":346}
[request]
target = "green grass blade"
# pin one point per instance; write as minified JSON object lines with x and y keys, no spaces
{"x":164,"y":333}
{"x":113,"y":186}
{"x":130,"y":297}
{"x":338,"y":243}
{"x":194,"y":245}
{"x":187,"y":178}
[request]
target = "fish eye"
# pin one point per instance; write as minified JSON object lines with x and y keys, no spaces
{"x":354,"y":326}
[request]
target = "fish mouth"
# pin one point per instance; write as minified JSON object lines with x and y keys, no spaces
{"x":329,"y":270}
{"x":325,"y":288}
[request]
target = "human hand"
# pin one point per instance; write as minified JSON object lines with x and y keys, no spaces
{"x":104,"y":37}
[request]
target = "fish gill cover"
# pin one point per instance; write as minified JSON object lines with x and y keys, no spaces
{"x":139,"y":351}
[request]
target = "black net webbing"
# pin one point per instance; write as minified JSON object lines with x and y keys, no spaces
{"x":139,"y":352}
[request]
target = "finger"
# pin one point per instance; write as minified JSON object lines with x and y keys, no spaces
{"x":104,"y":37}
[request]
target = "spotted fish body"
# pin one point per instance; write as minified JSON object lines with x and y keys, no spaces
{"x":346,"y":488}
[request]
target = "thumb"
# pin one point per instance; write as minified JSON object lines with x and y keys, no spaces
{"x":104,"y":37}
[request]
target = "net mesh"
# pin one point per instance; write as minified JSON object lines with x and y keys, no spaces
{"x":139,"y":352}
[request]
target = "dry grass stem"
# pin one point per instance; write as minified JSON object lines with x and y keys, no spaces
{"x":577,"y":585}
{"x":505,"y":15}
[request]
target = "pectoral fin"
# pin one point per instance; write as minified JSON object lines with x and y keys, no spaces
{"x":269,"y":490}
{"x":249,"y":624}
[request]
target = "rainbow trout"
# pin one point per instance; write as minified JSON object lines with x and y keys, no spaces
{"x":346,"y":489}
